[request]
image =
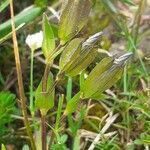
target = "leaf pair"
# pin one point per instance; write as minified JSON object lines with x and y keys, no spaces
{"x":48,"y":45}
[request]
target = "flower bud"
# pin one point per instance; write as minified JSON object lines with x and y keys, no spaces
{"x":34,"y":41}
{"x":104,"y":75}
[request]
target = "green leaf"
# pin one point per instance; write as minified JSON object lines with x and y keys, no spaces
{"x":9,"y":34}
{"x":3,"y":147}
{"x":73,"y":18}
{"x":41,"y":3}
{"x":26,"y":16}
{"x":86,"y":55}
{"x":110,"y":6}
{"x":59,"y":111}
{"x":48,"y":44}
{"x":7,"y":107}
{"x":3,"y":5}
{"x":45,"y":101}
{"x":130,"y":2}
{"x":73,"y":104}
{"x":102,"y":77}
{"x":70,"y":53}
{"x":105,"y":74}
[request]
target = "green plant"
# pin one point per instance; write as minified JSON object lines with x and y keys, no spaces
{"x":75,"y":58}
{"x":80,"y":54}
{"x":7,"y":107}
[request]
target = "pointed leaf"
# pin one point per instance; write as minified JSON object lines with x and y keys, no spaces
{"x":48,"y":44}
{"x":45,"y":101}
{"x":73,"y":104}
{"x":26,"y":16}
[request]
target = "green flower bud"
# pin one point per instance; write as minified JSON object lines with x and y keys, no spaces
{"x":104,"y":75}
{"x":78,"y":56}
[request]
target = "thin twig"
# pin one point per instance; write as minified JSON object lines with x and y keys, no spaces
{"x":19,"y":77}
{"x":31,"y":84}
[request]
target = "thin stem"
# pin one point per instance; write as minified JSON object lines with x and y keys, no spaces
{"x":43,"y":134}
{"x":20,"y":81}
{"x":31,"y":84}
{"x":137,"y":20}
{"x":69,"y":96}
{"x":82,"y":79}
{"x":69,"y":89}
{"x":141,"y":62}
{"x":44,"y":89}
{"x":125,"y":79}
{"x":57,"y":122}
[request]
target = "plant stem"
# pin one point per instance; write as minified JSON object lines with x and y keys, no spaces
{"x":43,"y":135}
{"x":55,"y":131}
{"x":31,"y":84}
{"x":47,"y":68}
{"x":125,"y":79}
{"x":137,"y":20}
{"x":20,"y":81}
{"x":44,"y":89}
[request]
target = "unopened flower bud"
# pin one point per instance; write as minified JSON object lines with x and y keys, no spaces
{"x":34,"y":41}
